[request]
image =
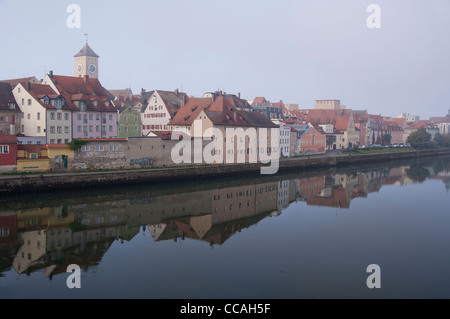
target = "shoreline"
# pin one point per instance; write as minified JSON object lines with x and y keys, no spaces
{"x":10,"y":184}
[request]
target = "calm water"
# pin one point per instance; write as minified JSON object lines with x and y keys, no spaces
{"x":297,"y":235}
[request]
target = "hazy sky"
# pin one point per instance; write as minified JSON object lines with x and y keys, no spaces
{"x":297,"y":51}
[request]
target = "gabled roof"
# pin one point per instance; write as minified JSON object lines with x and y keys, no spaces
{"x":423,"y":123}
{"x":39,"y":91}
{"x":172,"y":100}
{"x":83,"y":89}
{"x":221,"y":110}
{"x":14,"y":82}
{"x":260,"y":100}
{"x":86,"y":51}
{"x":6,"y":97}
{"x":339,"y":118}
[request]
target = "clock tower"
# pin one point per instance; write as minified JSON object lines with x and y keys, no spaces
{"x":86,"y":63}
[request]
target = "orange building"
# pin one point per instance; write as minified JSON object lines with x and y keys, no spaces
{"x":311,"y":141}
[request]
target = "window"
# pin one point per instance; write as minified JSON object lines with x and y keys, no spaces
{"x":4,"y":149}
{"x":29,"y":101}
{"x":59,"y":129}
{"x":125,"y":119}
{"x":28,"y":116}
{"x":39,"y":129}
{"x":85,"y":148}
{"x":90,"y":117}
{"x":110,"y":128}
{"x":97,"y":128}
{"x":97,"y":117}
{"x":52,"y":130}
{"x":113,"y":148}
{"x":79,"y":129}
{"x":110,"y":117}
{"x":22,"y":128}
{"x":66,"y":129}
{"x":66,"y":116}
{"x":52,"y":141}
{"x":58,"y":141}
{"x":99,"y":148}
{"x":66,"y":140}
{"x":38,"y":116}
{"x":52,"y":115}
{"x":23,"y":101}
{"x":59,"y":116}
{"x":79,"y":117}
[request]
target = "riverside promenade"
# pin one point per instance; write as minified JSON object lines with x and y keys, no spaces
{"x":45,"y":182}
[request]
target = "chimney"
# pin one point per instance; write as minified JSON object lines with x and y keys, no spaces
{"x":12,"y":125}
{"x":51,"y":74}
{"x":239,"y":95}
{"x":28,"y":85}
{"x":220,"y":93}
{"x":86,"y":79}
{"x":176,"y":92}
{"x":142,"y":90}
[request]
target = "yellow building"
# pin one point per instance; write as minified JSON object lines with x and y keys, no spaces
{"x":48,"y":157}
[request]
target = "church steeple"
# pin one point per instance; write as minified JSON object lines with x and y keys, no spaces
{"x":86,"y":62}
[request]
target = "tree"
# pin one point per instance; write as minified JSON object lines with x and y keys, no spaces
{"x":442,"y":140}
{"x":386,"y":139}
{"x":419,"y":139}
{"x":76,"y":144}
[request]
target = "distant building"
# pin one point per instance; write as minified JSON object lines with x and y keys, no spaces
{"x":8,"y":153}
{"x":158,"y":108}
{"x":10,"y":113}
{"x":345,"y":134}
{"x":409,"y":118}
{"x":371,"y":127}
{"x":128,"y":107}
{"x":86,"y":63}
{"x":285,"y":137}
{"x":328,"y":105}
{"x":289,"y":108}
{"x":46,"y":113}
{"x":431,"y":128}
{"x":14,"y":82}
{"x":310,"y":141}
{"x":93,"y":115}
{"x":269,"y":110}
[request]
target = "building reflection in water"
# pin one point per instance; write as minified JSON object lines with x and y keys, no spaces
{"x":51,"y":238}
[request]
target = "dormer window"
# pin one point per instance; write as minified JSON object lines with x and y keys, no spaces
{"x":12,"y":105}
{"x":82,"y":106}
{"x":59,"y":103}
{"x":46,"y":100}
{"x":94,"y":102}
{"x":107,"y":103}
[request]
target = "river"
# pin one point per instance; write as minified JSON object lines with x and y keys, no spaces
{"x":304,"y":234}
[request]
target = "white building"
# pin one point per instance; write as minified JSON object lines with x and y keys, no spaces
{"x":158,"y":108}
{"x":45,"y":113}
{"x":285,"y":138}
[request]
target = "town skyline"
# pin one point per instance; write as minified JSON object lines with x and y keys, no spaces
{"x":282,"y":59}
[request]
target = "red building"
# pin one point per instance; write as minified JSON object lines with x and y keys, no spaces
{"x":8,"y":150}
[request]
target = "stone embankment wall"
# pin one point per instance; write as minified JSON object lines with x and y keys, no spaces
{"x":55,"y":181}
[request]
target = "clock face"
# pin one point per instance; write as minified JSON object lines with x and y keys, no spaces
{"x":80,"y":68}
{"x":92,"y":68}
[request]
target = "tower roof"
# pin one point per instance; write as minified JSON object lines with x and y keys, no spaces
{"x":86,"y":51}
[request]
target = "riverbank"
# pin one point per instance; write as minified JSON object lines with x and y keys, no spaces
{"x":60,"y":181}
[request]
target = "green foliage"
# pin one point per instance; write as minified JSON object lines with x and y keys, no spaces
{"x":386,"y":139}
{"x":76,"y":144}
{"x":418,"y":173}
{"x":442,"y":140}
{"x":420,"y":139}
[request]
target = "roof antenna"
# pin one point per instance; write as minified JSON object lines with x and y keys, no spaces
{"x":86,"y":35}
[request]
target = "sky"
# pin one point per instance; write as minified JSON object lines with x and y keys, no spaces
{"x":297,"y":51}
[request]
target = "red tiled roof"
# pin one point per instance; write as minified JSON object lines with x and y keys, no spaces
{"x":38,"y":91}
{"x":7,"y":97}
{"x":423,"y":123}
{"x":260,"y":100}
{"x":32,"y":148}
{"x":86,"y":89}
{"x":222,"y":110}
{"x":14,"y":82}
{"x":8,"y":138}
{"x":339,"y":118}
